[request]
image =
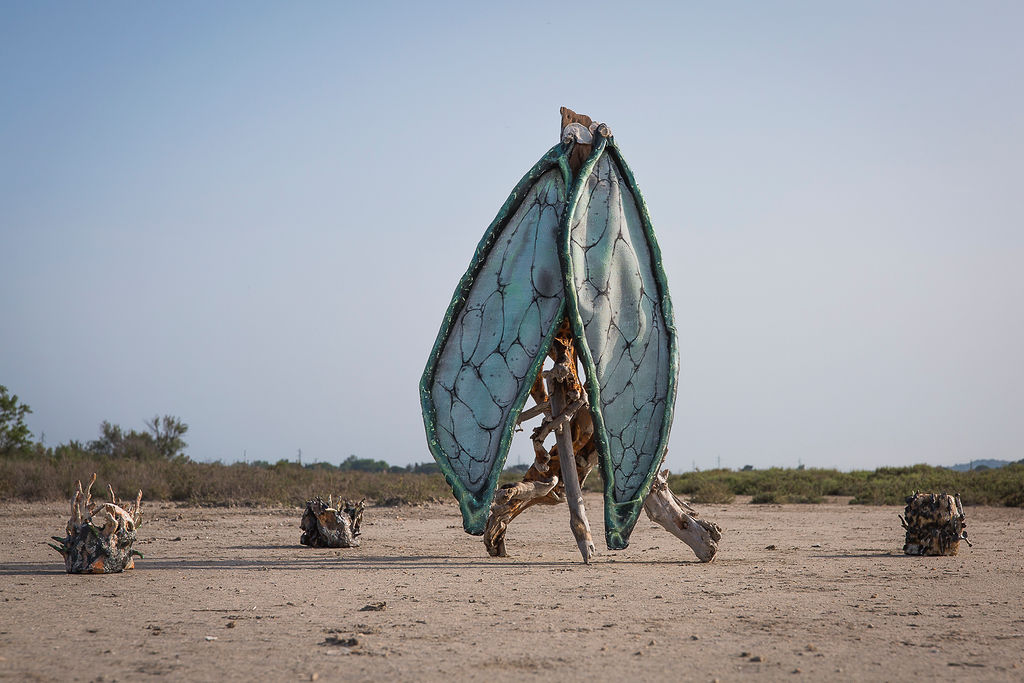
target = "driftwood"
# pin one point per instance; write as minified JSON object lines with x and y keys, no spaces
{"x":680,"y":519}
{"x":543,"y":483}
{"x":559,"y":396}
{"x":582,"y":149}
{"x":99,"y":537}
{"x":935,"y":524}
{"x":324,"y":526}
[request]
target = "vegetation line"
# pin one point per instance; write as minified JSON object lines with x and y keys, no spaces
{"x":154,"y":460}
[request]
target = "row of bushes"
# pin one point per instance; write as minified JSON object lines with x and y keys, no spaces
{"x":884,"y":486}
{"x":53,"y":478}
{"x":287,"y":483}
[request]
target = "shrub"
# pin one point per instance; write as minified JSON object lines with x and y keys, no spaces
{"x":713,"y":492}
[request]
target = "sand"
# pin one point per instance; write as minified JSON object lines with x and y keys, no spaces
{"x":797,"y":591}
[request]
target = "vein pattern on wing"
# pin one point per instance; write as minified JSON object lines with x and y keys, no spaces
{"x":511,"y":307}
{"x":624,"y":325}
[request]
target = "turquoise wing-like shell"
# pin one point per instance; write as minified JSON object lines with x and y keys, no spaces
{"x":494,"y":338}
{"x":618,"y":303}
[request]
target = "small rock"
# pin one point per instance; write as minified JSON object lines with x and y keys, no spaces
{"x":744,"y":654}
{"x":375,"y":607}
{"x":208,"y":638}
{"x":769,"y":547}
{"x":343,"y":642}
{"x":231,"y":624}
{"x":797,"y":670}
{"x":694,"y":637}
{"x":314,"y":676}
{"x":756,"y":658}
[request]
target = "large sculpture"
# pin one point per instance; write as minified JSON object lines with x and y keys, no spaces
{"x":569,"y":269}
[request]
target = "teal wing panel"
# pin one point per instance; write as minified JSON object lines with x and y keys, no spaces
{"x":619,"y":305}
{"x":494,"y":338}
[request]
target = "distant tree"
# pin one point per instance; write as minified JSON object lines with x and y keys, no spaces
{"x":167,"y":432}
{"x":354,"y":464}
{"x":15,"y":436}
{"x":162,"y":442}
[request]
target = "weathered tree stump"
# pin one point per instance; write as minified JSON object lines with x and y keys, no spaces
{"x":935,"y":524}
{"x":324,"y":526}
{"x":99,"y":538}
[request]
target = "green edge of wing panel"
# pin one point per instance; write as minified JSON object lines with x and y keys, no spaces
{"x":620,"y":516}
{"x":475,"y":509}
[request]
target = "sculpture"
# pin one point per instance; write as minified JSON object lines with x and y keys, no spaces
{"x":570,"y":269}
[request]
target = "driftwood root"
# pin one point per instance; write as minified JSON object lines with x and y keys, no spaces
{"x":324,"y":526}
{"x":681,"y":520}
{"x":99,"y":537}
{"x":935,"y":524}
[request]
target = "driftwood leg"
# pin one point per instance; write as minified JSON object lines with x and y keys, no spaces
{"x":665,"y":509}
{"x":511,"y":500}
{"x":561,"y":375}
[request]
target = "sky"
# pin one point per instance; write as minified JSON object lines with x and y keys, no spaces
{"x":252,"y":216}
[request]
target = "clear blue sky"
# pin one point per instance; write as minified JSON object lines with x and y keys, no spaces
{"x":252,"y":216}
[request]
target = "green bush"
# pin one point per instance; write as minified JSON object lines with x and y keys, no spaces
{"x":713,"y":492}
{"x":884,"y":486}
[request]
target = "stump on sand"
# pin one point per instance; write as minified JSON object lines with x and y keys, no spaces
{"x":99,"y":538}
{"x":935,"y":524}
{"x":324,"y":526}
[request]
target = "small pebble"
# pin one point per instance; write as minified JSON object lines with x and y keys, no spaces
{"x":756,"y":658}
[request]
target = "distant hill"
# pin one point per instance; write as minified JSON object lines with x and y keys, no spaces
{"x":975,"y":464}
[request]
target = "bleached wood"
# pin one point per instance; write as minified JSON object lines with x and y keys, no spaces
{"x":665,"y":509}
{"x":578,"y":522}
{"x":99,"y":538}
{"x":509,"y":501}
{"x":534,"y":411}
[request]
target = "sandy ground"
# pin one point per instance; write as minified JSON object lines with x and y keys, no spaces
{"x":228,"y":593}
